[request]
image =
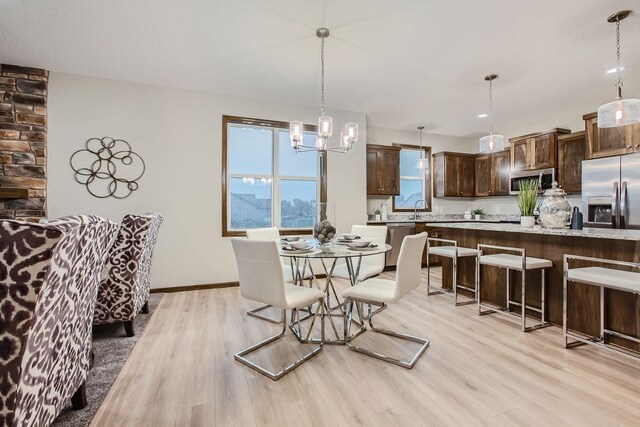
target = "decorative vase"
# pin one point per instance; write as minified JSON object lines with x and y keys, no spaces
{"x":324,"y":230}
{"x":477,"y":217}
{"x":555,"y":209}
{"x":527,"y":221}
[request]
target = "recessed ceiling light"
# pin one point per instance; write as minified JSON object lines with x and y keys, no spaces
{"x":613,"y":70}
{"x":482,"y":116}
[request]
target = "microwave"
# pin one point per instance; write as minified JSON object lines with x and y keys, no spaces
{"x":545,"y":178}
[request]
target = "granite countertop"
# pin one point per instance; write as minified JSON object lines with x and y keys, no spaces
{"x":442,"y":217}
{"x":597,"y":233}
{"x":433,"y":221}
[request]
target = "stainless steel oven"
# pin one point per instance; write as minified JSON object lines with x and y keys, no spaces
{"x":545,"y":178}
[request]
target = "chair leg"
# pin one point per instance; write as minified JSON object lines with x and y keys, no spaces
{"x":79,"y":398}
{"x":145,"y":308}
{"x":408,"y":364}
{"x":128,"y":328}
{"x":254,"y":313}
{"x":275,"y":376}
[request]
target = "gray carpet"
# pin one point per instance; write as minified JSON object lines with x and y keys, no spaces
{"x":111,"y":348}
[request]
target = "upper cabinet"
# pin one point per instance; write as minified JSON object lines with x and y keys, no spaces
{"x":500,"y":173}
{"x":535,"y":151}
{"x":492,"y":174}
{"x":571,"y":153}
{"x":383,"y":170}
{"x":453,"y":174}
{"x":604,"y":142}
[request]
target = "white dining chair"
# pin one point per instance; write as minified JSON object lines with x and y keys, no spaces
{"x":306,"y":272}
{"x":381,"y":291}
{"x":371,"y":265}
{"x":261,"y":280}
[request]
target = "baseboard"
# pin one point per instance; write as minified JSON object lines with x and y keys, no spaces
{"x":195,"y":287}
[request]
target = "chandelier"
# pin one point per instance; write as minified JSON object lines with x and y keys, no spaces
{"x":620,"y":112}
{"x":491,"y":142}
{"x":325,"y":123}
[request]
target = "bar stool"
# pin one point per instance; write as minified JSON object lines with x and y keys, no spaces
{"x":609,"y":277}
{"x":521,"y":263}
{"x":453,"y":251}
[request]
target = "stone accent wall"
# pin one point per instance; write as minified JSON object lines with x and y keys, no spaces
{"x":23,"y":140}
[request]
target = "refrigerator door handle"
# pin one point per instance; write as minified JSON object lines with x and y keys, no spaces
{"x":624,"y":206}
{"x":614,"y":206}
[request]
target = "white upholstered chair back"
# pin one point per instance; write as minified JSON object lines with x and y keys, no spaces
{"x":409,"y":266}
{"x":376,"y":234}
{"x":260,"y":271}
{"x":269,"y":233}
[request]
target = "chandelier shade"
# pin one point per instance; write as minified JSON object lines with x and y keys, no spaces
{"x":621,"y":112}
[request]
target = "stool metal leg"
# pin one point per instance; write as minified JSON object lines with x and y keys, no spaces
{"x":565,"y":294}
{"x":523,"y":311}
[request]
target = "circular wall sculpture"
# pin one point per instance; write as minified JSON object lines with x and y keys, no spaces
{"x":108,"y":167}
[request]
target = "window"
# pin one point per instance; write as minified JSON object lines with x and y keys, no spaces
{"x":266,"y":183}
{"x":415,"y":183}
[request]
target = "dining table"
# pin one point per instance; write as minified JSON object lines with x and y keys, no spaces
{"x":329,"y":255}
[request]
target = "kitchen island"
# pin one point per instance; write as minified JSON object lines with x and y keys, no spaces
{"x":622,"y":310}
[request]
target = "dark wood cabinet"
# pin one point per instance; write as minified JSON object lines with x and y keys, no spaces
{"x":535,"y":151}
{"x":500,"y":171}
{"x":483,"y":175}
{"x":383,"y":170}
{"x":453,"y":174}
{"x":492,"y":174}
{"x":571,"y":153}
{"x":605,"y":142}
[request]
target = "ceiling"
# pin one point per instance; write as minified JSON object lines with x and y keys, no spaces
{"x":403,"y":63}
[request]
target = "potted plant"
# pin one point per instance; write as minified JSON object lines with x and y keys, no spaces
{"x":477,"y":212}
{"x":527,"y":202}
{"x":378,"y":214}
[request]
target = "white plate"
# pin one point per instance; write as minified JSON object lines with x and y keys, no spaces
{"x":298,"y":251}
{"x":368,"y":248}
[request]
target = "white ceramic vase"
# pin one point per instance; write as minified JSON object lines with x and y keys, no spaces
{"x":527,"y":221}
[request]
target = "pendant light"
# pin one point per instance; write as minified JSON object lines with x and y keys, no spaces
{"x":620,"y":112}
{"x":491,"y":142}
{"x":325,"y":123}
{"x":422,"y":162}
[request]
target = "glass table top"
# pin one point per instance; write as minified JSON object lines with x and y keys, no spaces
{"x":335,"y":250}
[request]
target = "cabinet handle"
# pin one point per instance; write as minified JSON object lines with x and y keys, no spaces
{"x":637,"y":145}
{"x":628,"y":146}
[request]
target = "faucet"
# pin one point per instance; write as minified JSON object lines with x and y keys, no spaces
{"x":415,"y":207}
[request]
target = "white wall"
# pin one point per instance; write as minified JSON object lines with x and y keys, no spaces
{"x":178,"y":133}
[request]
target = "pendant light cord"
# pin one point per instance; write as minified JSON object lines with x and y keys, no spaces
{"x":491,"y":107}
{"x":619,"y":83}
{"x":322,"y":77}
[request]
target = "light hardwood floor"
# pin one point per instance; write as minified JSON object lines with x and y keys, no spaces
{"x":477,"y":371}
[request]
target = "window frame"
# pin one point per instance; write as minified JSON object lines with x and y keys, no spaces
{"x":427,"y":179}
{"x":322,"y":179}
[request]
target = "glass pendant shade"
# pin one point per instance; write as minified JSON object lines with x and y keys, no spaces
{"x":345,"y":141}
{"x":620,"y":112}
{"x":296,"y":133}
{"x":351,"y":131}
{"x":491,"y":143}
{"x":325,"y":126}
{"x":422,"y":163}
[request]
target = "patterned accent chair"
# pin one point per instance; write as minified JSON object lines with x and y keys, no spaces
{"x":49,"y":276}
{"x":124,"y":288}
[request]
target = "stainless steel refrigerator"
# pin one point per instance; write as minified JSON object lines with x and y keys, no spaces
{"x":611,"y":192}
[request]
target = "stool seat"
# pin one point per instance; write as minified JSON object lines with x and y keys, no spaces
{"x":450,"y":251}
{"x":608,"y":277}
{"x":514,"y":262}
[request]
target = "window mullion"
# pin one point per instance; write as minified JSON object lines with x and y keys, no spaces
{"x":275,"y":188}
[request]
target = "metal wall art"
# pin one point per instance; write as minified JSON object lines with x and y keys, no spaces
{"x":108,"y":167}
